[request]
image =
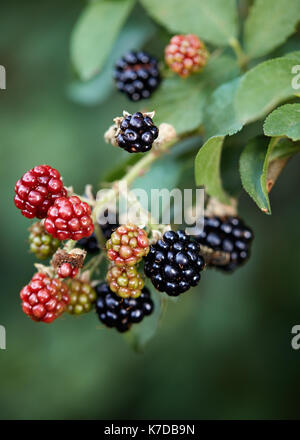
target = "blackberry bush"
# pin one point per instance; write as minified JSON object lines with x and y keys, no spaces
{"x":174,"y":263}
{"x":121,"y":313}
{"x":137,"y":75}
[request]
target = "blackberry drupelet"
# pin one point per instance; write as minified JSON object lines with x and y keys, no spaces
{"x":90,"y":244}
{"x":137,"y":75}
{"x":228,"y":234}
{"x":120,"y":313}
{"x":173,"y":264}
{"x":137,"y":133}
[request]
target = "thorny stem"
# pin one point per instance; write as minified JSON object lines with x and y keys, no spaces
{"x":241,"y":57}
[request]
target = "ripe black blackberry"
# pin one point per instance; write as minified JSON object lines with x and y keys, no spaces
{"x":228,"y":234}
{"x":137,"y":133}
{"x":137,"y":75}
{"x":120,"y":313}
{"x":90,"y":244}
{"x":174,"y":264}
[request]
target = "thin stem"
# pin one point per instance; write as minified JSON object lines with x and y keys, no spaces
{"x":142,"y":165}
{"x":241,"y":57}
{"x":94,"y":263}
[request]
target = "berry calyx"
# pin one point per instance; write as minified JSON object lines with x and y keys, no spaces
{"x":186,"y":54}
{"x":121,"y":313}
{"x":229,"y":235}
{"x":37,"y":190}
{"x":69,"y":218}
{"x":82,"y":297}
{"x":127,"y":245}
{"x":137,"y":75}
{"x":42,"y":244}
{"x":125,"y":281}
{"x":174,"y":263}
{"x":137,"y":133}
{"x":67,"y":271}
{"x":44,"y":299}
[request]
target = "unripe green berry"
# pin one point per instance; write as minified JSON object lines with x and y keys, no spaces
{"x":42,"y":244}
{"x":82,"y":297}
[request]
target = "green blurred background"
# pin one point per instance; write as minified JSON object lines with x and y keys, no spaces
{"x":223,"y":351}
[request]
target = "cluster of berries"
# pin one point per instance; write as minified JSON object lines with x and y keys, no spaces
{"x":137,"y":74}
{"x":40,"y":193}
{"x":126,"y":247}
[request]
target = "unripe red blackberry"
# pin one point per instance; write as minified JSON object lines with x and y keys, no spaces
{"x":82,"y":297}
{"x":137,"y":75}
{"x":66,"y":270}
{"x":69,"y":218}
{"x":173,"y":263}
{"x":121,"y":313}
{"x":186,"y":54}
{"x":37,"y":190}
{"x":44,"y":299}
{"x":125,"y":281}
{"x":137,"y":133}
{"x":42,"y":244}
{"x":127,"y":245}
{"x":230,"y":235}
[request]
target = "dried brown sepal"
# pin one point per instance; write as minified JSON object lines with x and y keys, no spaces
{"x":166,"y":134}
{"x":215,"y":258}
{"x":75,"y":257}
{"x":218,"y":209}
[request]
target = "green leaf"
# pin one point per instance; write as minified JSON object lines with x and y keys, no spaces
{"x":220,"y":117}
{"x":253,"y":172}
{"x":214,"y":21}
{"x":284,"y":121}
{"x":137,"y":30}
{"x":269,"y":24}
{"x":263,"y":88}
{"x":284,"y":149}
{"x":180,"y":102}
{"x":140,"y":334}
{"x":95,"y":33}
{"x":207,"y":168}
